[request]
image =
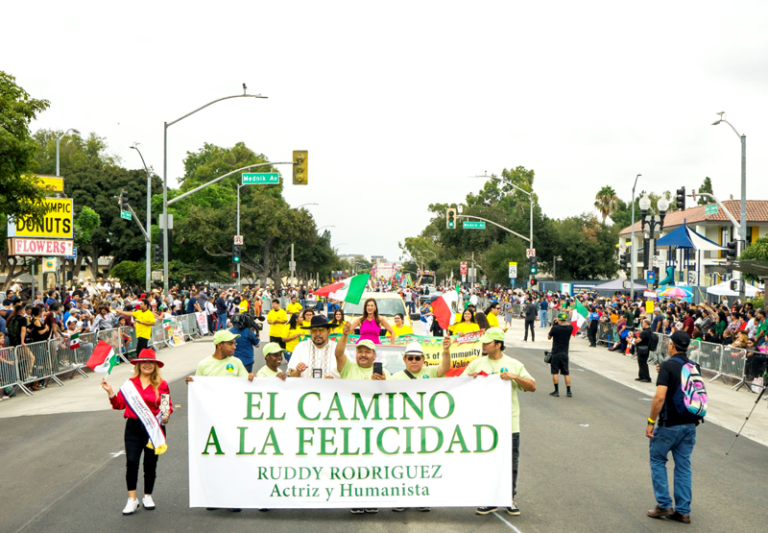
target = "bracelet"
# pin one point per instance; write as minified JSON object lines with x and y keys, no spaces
{"x":651,"y":421}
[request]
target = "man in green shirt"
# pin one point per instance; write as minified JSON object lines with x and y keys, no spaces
{"x":414,"y":362}
{"x":495,"y":362}
{"x":273,"y":356}
{"x":362,"y":368}
{"x":222,"y":362}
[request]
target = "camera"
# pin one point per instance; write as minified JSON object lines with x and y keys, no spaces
{"x":247,"y":321}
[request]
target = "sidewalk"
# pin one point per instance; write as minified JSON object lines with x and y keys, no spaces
{"x":726,"y":408}
{"x":81,"y":394}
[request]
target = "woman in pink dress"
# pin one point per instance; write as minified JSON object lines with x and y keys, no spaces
{"x":370,"y":323}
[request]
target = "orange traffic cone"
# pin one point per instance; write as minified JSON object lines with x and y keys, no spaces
{"x":629,"y":349}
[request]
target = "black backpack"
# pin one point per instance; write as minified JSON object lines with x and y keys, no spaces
{"x":14,"y":328}
{"x":654,"y":342}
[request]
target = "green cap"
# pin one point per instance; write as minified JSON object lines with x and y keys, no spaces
{"x":367,"y":343}
{"x":492,"y":334}
{"x":562,"y":316}
{"x":223,"y":335}
{"x":272,"y":347}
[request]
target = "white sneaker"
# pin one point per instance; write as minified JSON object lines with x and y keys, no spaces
{"x":131,"y":506}
{"x":148,"y":502}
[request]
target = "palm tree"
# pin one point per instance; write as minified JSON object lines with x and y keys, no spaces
{"x":606,"y":201}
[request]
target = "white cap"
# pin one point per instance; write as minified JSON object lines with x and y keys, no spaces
{"x":415,"y":348}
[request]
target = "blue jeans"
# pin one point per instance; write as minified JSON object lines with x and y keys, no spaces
{"x":221,"y":323}
{"x":679,"y":440}
{"x":543,"y":317}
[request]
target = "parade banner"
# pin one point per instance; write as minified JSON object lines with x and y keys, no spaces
{"x":271,"y":444}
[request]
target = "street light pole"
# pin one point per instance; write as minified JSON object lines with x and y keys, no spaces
{"x":743,"y":138}
{"x":149,"y":219}
{"x":166,"y":125}
{"x":58,"y":140}
{"x":632,"y":245}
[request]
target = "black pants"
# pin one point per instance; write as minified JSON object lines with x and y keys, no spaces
{"x":141,"y":343}
{"x":136,"y":439}
{"x":529,"y":324}
{"x":515,"y":457}
{"x":278,"y":340}
{"x":642,"y":364}
{"x":592,"y":333}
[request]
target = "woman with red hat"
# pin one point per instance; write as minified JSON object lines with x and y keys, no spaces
{"x":146,"y":400}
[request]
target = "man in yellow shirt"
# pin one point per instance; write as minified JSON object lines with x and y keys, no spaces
{"x":144,"y":320}
{"x":293,"y":307}
{"x":277,"y":320}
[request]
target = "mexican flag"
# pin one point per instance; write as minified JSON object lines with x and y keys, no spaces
{"x":578,"y":317}
{"x":103,"y":358}
{"x":347,"y":290}
{"x":74,"y":341}
{"x":444,"y":308}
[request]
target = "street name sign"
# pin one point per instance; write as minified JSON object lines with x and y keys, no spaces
{"x":710,"y":209}
{"x":474,"y":225}
{"x":126,"y":215}
{"x":261,"y":178}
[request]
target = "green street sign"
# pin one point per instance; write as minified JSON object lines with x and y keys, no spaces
{"x":474,"y":225}
{"x":261,"y":178}
{"x":126,"y":215}
{"x":710,"y":209}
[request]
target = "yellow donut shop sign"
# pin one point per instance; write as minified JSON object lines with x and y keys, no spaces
{"x":56,"y":224}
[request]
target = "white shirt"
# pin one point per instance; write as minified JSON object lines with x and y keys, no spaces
{"x":325,"y":358}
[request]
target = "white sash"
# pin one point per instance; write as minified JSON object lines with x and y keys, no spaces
{"x":151,"y":424}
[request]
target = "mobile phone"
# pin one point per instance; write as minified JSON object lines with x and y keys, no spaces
{"x":317,"y":373}
{"x":378,"y":367}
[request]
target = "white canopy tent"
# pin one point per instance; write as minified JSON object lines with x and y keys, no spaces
{"x":724,"y":289}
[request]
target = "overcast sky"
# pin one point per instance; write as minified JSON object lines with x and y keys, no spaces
{"x":399,"y":102}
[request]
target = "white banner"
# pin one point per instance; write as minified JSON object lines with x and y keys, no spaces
{"x":349,"y":444}
{"x":202,"y":323}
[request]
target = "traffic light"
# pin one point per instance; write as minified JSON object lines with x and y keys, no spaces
{"x":450,"y":218}
{"x":533,"y":263}
{"x":300,"y":175}
{"x":733,"y":250}
{"x":158,"y":254}
{"x":236,"y":250}
{"x":234,"y":273}
{"x":170,"y":245}
{"x":124,"y":200}
{"x":533,"y":282}
{"x":624,"y":261}
{"x":681,"y":199}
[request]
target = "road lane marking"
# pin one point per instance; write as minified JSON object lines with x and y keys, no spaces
{"x":510,"y":525}
{"x":117,"y":454}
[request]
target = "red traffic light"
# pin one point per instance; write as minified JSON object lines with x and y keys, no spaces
{"x":234,"y":274}
{"x":533,"y":282}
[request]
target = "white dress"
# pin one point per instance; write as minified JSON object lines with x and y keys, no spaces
{"x":325,"y":358}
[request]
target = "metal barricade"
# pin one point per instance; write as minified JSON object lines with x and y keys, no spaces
{"x":733,"y":363}
{"x":33,"y":363}
{"x":606,"y":333}
{"x":158,"y":338}
{"x":710,"y":356}
{"x":128,"y":340}
{"x":9,"y":372}
{"x":189,"y":326}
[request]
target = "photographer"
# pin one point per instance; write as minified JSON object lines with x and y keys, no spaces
{"x":245,"y":326}
{"x":560,"y":335}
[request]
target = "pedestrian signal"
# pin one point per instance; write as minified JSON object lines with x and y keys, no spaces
{"x":533,"y":282}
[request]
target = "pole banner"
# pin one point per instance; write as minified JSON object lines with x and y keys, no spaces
{"x":349,"y":443}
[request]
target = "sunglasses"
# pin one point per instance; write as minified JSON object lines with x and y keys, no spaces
{"x":414,"y":358}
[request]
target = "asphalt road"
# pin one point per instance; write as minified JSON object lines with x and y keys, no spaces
{"x":583,"y":467}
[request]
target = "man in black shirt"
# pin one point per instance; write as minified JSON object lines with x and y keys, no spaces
{"x":530,"y":310}
{"x":560,"y":335}
{"x":675,"y":433}
{"x":643,"y":350}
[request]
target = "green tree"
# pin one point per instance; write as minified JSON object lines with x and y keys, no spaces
{"x":20,"y":194}
{"x":588,"y":248}
{"x":706,"y":187}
